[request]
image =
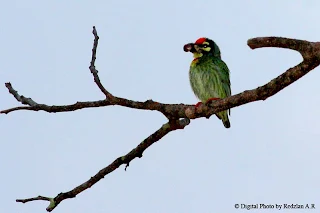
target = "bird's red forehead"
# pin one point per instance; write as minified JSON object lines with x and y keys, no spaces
{"x":200,"y":40}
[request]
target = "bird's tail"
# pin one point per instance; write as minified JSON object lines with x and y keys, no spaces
{"x":224,"y":117}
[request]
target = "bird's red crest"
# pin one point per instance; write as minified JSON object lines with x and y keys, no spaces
{"x":200,"y":40}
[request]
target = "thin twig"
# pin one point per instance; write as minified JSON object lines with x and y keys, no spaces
{"x":33,"y":199}
{"x":92,"y":66}
{"x":20,"y":98}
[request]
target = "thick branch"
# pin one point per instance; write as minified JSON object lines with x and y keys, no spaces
{"x":305,"y":48}
{"x":126,"y":159}
{"x":265,"y":91}
{"x":189,"y":111}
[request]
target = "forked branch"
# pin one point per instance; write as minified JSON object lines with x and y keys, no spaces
{"x":179,"y":115}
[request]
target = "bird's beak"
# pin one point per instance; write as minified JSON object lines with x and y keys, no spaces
{"x":189,"y":47}
{"x":197,"y":48}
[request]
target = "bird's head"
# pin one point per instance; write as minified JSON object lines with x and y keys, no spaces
{"x":203,"y":46}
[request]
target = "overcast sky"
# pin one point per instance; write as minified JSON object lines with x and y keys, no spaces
{"x":270,"y":155}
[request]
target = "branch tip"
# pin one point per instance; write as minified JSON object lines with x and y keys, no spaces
{"x":127,"y":165}
{"x":92,"y":67}
{"x":20,"y":98}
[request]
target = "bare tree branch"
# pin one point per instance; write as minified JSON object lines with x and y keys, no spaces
{"x":52,"y":204}
{"x":20,"y":98}
{"x":34,"y":198}
{"x":310,"y":51}
{"x":147,"y":105}
{"x":93,"y":67}
{"x":126,"y":159}
{"x":305,"y":48}
{"x":179,"y":115}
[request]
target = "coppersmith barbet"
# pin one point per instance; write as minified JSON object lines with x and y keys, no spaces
{"x":209,"y":75}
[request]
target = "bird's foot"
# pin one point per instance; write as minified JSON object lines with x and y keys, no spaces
{"x":198,"y":104}
{"x":212,"y":99}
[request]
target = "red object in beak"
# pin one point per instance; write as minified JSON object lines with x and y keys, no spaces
{"x":188,"y":47}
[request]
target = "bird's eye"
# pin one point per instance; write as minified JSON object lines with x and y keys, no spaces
{"x":205,"y":46}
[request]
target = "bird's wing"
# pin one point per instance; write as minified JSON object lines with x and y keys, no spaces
{"x":224,"y":76}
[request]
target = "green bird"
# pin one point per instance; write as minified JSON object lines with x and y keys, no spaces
{"x":209,"y":75}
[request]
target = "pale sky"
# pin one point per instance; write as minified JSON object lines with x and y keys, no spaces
{"x":270,"y":155}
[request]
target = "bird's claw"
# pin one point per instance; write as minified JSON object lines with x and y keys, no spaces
{"x":207,"y":102}
{"x":212,"y":99}
{"x":198,"y":104}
